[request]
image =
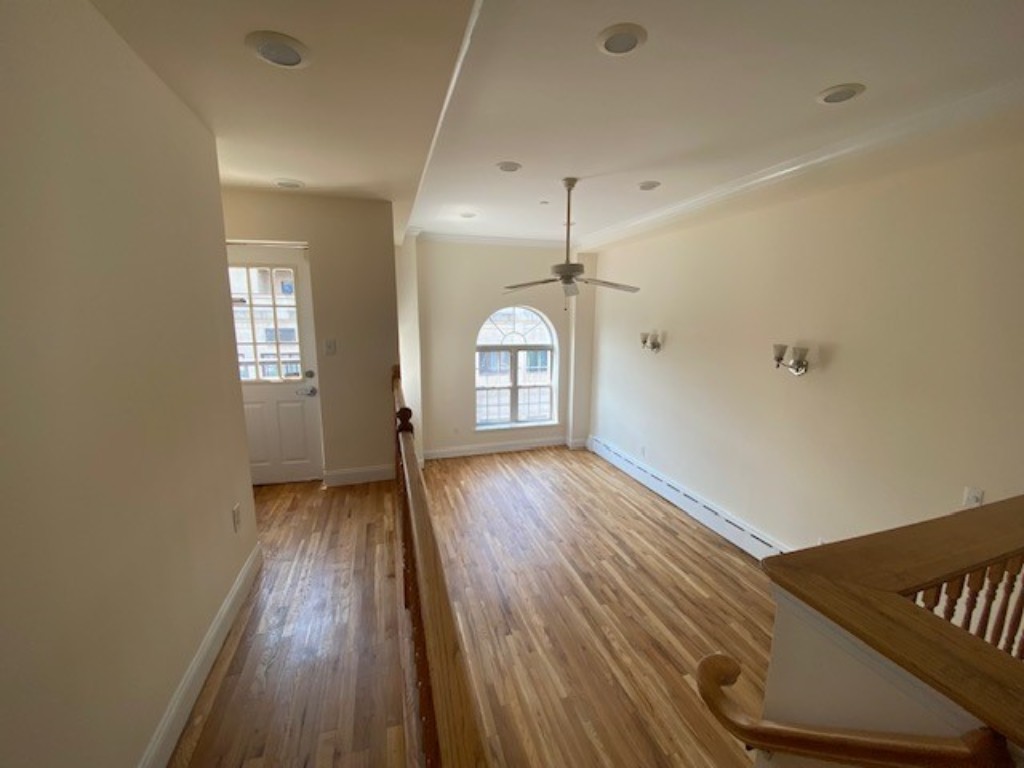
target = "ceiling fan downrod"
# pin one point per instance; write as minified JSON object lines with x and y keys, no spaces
{"x":570,"y":184}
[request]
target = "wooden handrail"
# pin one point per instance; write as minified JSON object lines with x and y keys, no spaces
{"x":978,"y":749}
{"x":445,"y":714}
{"x":863,"y":585}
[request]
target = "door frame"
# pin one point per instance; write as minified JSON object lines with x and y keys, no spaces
{"x":307,"y":329}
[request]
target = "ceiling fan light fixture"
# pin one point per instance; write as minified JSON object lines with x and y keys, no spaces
{"x":278,"y":49}
{"x":621,"y":39}
{"x":837,"y":94}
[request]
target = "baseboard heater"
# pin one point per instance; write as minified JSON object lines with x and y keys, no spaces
{"x":726,"y":525}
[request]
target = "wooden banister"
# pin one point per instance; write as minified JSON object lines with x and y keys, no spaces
{"x":444,"y":730}
{"x":941,"y":598}
{"x":978,"y":749}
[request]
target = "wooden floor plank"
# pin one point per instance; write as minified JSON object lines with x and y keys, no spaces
{"x":309,"y":675}
{"x":587,"y":602}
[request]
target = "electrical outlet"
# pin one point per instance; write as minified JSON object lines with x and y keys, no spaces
{"x":973,"y":497}
{"x":236,"y":516}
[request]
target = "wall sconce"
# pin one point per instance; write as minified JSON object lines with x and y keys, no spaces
{"x":797,"y":364}
{"x":651,"y":341}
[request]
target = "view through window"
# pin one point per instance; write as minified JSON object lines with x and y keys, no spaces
{"x":515,"y":360}
{"x":266,"y":323}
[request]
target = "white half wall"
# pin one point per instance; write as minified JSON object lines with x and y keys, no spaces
{"x":122,"y":440}
{"x":902,"y":272}
{"x":407,"y":286}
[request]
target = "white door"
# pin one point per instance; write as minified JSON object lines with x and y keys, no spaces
{"x":273,"y":308}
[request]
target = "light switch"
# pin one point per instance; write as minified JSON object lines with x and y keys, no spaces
{"x":330,"y":347}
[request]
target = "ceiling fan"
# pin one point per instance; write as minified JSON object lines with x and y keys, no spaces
{"x":570,"y":273}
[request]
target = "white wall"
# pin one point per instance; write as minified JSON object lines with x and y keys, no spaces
{"x":122,"y":441}
{"x":903,"y":272}
{"x":407,"y":289}
{"x":460,"y":287}
{"x":813,"y":659}
{"x":352,"y":264}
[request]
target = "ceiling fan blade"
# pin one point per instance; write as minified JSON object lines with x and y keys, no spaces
{"x":606,"y":284}
{"x":570,"y":288}
{"x":520,"y":286}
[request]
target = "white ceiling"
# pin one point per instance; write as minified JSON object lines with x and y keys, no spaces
{"x":722,"y":91}
{"x":358,"y":121}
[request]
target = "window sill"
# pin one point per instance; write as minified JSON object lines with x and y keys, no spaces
{"x":517,"y":425}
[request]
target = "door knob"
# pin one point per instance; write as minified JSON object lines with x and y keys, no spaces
{"x":307,"y":391}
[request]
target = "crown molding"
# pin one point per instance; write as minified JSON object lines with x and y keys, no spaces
{"x":515,"y":242}
{"x":969,"y":108}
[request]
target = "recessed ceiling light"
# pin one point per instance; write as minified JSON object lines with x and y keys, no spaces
{"x":620,"y":39}
{"x":837,"y":94}
{"x":288,"y":184}
{"x":509,"y":166}
{"x":468,"y":215}
{"x":277,"y":49}
{"x":647,"y":186}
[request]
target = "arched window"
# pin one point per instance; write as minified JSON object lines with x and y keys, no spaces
{"x":515,"y":369}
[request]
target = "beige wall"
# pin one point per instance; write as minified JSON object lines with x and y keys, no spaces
{"x":122,"y":442}
{"x":905,"y":279}
{"x":460,"y":286}
{"x":352,"y":263}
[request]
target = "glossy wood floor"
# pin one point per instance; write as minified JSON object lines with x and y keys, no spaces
{"x":587,"y":602}
{"x":309,"y":674}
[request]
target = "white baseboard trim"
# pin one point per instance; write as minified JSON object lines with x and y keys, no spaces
{"x":165,"y":738}
{"x":484,"y":448}
{"x":725,"y":524}
{"x":577,"y":443}
{"x":358,"y":475}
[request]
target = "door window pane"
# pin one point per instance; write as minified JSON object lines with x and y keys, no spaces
{"x":284,"y":287}
{"x":266,"y":323}
{"x":243,"y":325}
{"x":259,"y":286}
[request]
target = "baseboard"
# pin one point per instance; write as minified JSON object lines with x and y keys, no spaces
{"x":175,"y":717}
{"x":577,"y":443}
{"x":483,"y":448}
{"x":725,"y":524}
{"x":358,"y":475}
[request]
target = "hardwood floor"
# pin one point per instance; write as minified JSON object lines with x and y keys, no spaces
{"x":586,"y":599}
{"x":309,"y":674}
{"x":587,"y":602}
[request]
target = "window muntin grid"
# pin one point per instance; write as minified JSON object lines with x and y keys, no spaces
{"x":515,"y":362}
{"x":266,"y":323}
